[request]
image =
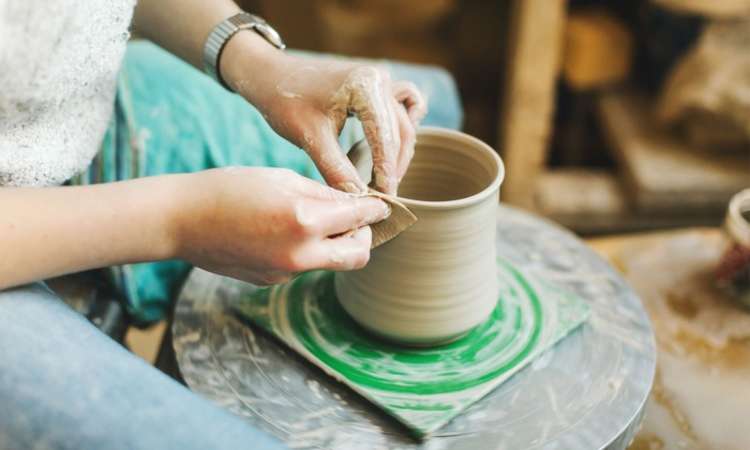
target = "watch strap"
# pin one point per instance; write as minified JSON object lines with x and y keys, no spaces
{"x":224,"y":31}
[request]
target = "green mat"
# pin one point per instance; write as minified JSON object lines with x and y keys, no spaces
{"x":422,"y":388}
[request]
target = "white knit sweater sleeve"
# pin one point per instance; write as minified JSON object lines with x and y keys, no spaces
{"x":59,"y":61}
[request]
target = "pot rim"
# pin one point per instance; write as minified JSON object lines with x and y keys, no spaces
{"x":466,"y":201}
{"x":735,"y":223}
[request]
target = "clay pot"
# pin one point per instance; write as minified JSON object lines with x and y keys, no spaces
{"x":437,"y":280}
{"x":733,"y":272}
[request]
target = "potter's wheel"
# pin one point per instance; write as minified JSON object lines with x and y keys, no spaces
{"x":423,"y":388}
{"x":588,"y":393}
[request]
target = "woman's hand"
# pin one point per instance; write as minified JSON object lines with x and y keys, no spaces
{"x":263,"y":225}
{"x":307,"y":100}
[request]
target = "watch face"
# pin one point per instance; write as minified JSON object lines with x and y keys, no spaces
{"x":269,"y":33}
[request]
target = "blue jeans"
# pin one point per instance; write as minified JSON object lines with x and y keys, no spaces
{"x":64,"y":384}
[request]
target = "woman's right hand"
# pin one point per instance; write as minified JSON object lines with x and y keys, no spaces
{"x":263,"y":225}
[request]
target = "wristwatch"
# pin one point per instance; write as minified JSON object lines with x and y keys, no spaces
{"x":224,"y":31}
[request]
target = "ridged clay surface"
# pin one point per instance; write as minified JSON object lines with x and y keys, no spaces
{"x":436,"y":280}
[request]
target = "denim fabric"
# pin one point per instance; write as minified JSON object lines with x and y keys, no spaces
{"x":66,"y":385}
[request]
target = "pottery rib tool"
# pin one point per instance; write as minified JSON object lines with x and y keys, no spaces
{"x":398,"y":221}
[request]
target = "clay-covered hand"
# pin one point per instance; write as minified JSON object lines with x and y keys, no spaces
{"x":262,"y":225}
{"x":307,"y":100}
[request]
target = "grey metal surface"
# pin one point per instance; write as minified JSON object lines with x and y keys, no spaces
{"x":588,"y":392}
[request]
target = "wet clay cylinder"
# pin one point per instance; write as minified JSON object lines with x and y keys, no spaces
{"x":437,"y":280}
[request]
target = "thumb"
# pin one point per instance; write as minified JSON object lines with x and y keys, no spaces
{"x":332,"y":163}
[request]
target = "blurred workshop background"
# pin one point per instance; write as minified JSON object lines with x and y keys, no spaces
{"x":611,"y":116}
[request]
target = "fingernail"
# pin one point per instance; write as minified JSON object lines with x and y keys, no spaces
{"x":387,"y":184}
{"x":352,"y":188}
{"x":381,"y":215}
{"x":348,"y":234}
{"x":386,"y":211}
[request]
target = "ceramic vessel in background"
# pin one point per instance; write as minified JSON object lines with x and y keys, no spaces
{"x":733,"y":272}
{"x":437,"y":280}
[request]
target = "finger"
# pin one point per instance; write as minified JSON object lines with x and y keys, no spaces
{"x":320,"y":191}
{"x":347,"y":252}
{"x":332,"y":163}
{"x":407,"y":93}
{"x":387,"y":168}
{"x":370,"y":101}
{"x":341,"y":216}
{"x":408,"y":139}
{"x":260,"y":278}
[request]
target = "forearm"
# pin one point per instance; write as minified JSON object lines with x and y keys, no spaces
{"x":46,"y":232}
{"x":182,"y":26}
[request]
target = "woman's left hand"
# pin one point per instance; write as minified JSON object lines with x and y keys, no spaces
{"x":307,"y":100}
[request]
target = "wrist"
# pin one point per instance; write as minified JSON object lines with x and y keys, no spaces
{"x":174,"y":206}
{"x":137,"y":218}
{"x":246,"y":60}
{"x":183,"y":196}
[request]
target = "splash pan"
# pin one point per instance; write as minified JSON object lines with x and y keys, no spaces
{"x":423,"y":388}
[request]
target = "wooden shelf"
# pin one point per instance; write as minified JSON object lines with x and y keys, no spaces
{"x":660,"y":172}
{"x":594,"y":202}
